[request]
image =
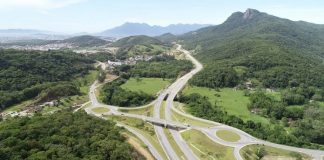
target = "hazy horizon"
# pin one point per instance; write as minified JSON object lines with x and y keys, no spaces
{"x":75,"y":16}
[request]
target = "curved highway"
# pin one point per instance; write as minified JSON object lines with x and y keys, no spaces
{"x":210,"y":132}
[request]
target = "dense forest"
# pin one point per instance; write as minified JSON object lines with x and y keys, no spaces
{"x":102,"y":56}
{"x":158,"y":67}
{"x":112,"y":94}
{"x":26,"y":74}
{"x":306,"y":131}
{"x":277,"y":52}
{"x":63,"y":135}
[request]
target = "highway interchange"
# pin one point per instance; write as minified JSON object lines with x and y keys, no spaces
{"x":159,"y":123}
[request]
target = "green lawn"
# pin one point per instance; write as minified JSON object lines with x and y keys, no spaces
{"x":142,"y":127}
{"x":147,"y":111}
{"x":234,"y":102}
{"x":249,"y":153}
{"x":148,"y":85}
{"x":205,"y":148}
{"x":100,"y":109}
{"x":228,"y":135}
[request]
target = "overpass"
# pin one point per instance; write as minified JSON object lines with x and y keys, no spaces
{"x":155,"y":121}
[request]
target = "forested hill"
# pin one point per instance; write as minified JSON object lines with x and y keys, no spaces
{"x":25,"y":74}
{"x":136,"y":40}
{"x":276,"y":51}
{"x":85,"y":41}
{"x":63,"y":135}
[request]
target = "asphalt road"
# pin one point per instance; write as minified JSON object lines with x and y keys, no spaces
{"x":172,"y":91}
{"x":160,"y":133}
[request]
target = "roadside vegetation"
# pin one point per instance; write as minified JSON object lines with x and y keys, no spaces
{"x":146,"y":111}
{"x":142,"y":127}
{"x":100,"y":110}
{"x":303,"y":132}
{"x":256,"y":152}
{"x":205,"y":148}
{"x":63,"y":135}
{"x":190,"y":121}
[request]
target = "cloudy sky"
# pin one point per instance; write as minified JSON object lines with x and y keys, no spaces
{"x":73,"y":16}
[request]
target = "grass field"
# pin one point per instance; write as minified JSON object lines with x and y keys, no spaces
{"x":148,"y":85}
{"x":100,"y":110}
{"x":147,"y":111}
{"x":234,"y":102}
{"x":228,"y":135}
{"x":206,"y":149}
{"x":145,"y":129}
{"x":249,"y":153}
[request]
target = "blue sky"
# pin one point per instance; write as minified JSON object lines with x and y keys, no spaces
{"x":73,"y":16}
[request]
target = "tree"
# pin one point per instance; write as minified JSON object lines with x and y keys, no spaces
{"x":261,"y":152}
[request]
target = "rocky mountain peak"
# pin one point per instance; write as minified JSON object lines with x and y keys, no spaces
{"x":250,"y":13}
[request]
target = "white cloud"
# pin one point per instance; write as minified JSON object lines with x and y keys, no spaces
{"x":38,"y":4}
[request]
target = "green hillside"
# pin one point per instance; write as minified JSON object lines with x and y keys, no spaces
{"x":275,"y":51}
{"x":139,"y":45}
{"x":85,"y":41}
{"x":167,"y":38}
{"x":270,"y":52}
{"x":136,"y":40}
{"x":25,"y":74}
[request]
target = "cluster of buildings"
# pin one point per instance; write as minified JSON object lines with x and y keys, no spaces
{"x":30,"y":110}
{"x":129,"y":61}
{"x":53,"y":46}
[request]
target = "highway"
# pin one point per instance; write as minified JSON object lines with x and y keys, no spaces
{"x":210,"y":132}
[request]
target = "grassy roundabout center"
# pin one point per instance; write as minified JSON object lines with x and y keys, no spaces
{"x":228,"y":135}
{"x":100,"y":109}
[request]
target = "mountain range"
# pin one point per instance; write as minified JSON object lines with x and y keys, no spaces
{"x":132,"y":29}
{"x":125,"y":30}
